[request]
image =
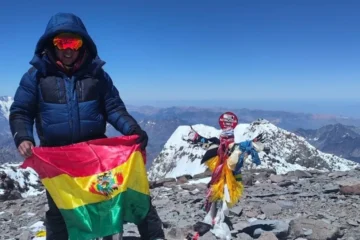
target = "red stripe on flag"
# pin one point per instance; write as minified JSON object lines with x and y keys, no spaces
{"x":82,"y":159}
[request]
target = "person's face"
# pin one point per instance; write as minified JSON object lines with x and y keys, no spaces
{"x":67,"y":47}
{"x":67,"y":56}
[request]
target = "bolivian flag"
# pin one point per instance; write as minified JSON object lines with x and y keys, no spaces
{"x":97,"y":185}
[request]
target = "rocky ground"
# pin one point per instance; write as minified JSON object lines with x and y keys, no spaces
{"x":297,"y":205}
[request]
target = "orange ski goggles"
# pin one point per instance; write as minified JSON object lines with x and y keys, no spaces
{"x":68,"y":40}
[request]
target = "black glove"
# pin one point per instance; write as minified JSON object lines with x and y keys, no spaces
{"x":143,"y":137}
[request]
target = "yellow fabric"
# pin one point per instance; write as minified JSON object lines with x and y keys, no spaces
{"x":41,"y":233}
{"x":235,"y":187}
{"x":69,"y":193}
{"x":212,"y":163}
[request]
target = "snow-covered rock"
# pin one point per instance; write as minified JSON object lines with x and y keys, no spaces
{"x":15,"y":179}
{"x":178,"y":157}
{"x":288,"y":152}
{"x":5,"y":104}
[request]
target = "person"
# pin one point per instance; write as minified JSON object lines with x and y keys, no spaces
{"x":70,"y":97}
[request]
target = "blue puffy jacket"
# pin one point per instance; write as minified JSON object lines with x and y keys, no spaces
{"x":67,"y":108}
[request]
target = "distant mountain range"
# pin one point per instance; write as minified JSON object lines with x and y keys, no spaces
{"x":338,"y":139}
{"x":160,"y":123}
{"x":8,"y":152}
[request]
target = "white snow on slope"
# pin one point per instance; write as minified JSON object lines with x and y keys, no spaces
{"x":179,"y":157}
{"x":27,"y":178}
{"x":5,"y":104}
{"x":201,"y":180}
{"x":289,"y":152}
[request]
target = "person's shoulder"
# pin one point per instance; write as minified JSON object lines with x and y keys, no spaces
{"x":31,"y":75}
{"x":32,"y":71}
{"x":97,"y":69}
{"x":103,"y":75}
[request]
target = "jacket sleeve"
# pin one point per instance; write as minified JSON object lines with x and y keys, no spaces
{"x":23,"y":109}
{"x":115,"y":110}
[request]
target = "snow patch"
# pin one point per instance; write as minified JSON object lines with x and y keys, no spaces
{"x":202,"y":180}
{"x":37,"y":227}
{"x":27,"y":178}
{"x":5,"y":104}
{"x":178,"y":157}
{"x":150,"y":123}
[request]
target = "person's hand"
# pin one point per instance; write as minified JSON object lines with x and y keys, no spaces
{"x":25,"y":149}
{"x":143,"y":138}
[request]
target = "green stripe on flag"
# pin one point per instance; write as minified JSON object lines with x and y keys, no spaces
{"x":107,"y":217}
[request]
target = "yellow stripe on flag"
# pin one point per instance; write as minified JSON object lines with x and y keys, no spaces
{"x":70,"y":193}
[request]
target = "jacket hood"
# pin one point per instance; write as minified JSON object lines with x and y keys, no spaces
{"x":65,"y":22}
{"x":59,"y":23}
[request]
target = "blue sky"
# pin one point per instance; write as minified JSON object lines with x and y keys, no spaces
{"x":196,"y":50}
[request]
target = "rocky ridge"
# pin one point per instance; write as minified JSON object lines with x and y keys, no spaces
{"x":288,"y":151}
{"x":338,"y":139}
{"x":17,"y":183}
{"x":298,"y":205}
